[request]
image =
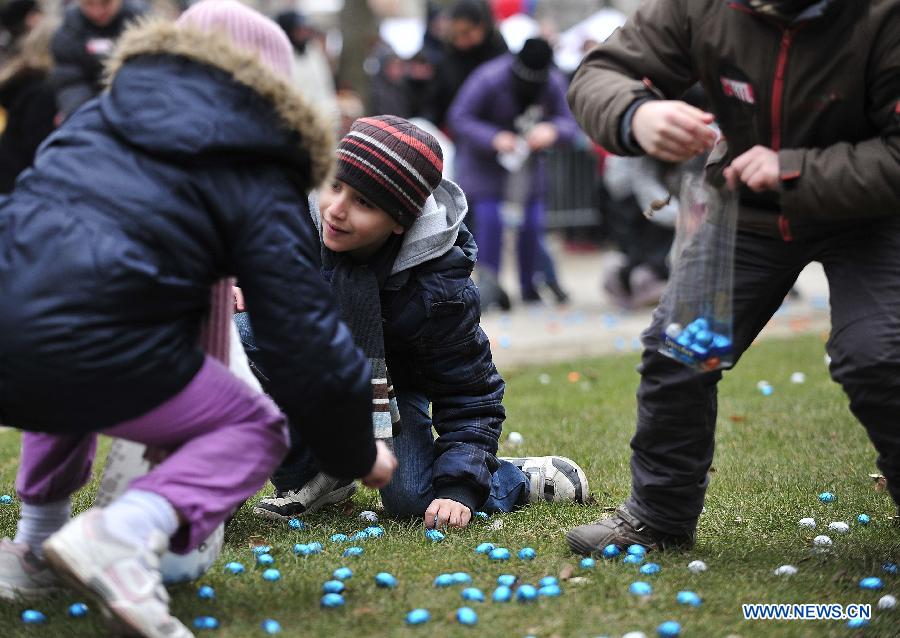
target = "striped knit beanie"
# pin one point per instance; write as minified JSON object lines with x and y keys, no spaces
{"x":247,"y":29}
{"x":393,"y":162}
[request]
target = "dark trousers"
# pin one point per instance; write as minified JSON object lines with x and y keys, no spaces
{"x":672,"y":448}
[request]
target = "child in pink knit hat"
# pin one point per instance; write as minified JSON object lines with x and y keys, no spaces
{"x":192,"y":166}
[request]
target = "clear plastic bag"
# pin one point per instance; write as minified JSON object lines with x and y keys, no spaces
{"x":698,"y":301}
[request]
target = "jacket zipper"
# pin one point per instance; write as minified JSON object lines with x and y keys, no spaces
{"x":787,"y":38}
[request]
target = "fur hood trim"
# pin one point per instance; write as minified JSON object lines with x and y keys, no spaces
{"x":154,"y":36}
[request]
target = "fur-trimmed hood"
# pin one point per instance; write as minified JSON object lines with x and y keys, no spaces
{"x":163,"y":96}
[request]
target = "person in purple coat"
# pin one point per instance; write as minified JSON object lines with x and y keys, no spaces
{"x":508,"y":111}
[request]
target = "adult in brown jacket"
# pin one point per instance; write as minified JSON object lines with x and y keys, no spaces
{"x":807,"y":95}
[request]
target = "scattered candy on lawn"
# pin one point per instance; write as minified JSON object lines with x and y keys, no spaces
{"x":890,"y":568}
{"x":205,"y":592}
{"x":526,"y":593}
{"x":5,"y":499}
{"x":376,"y":531}
{"x":506,"y":579}
{"x":863,"y":519}
{"x":301,"y":549}
{"x":502,"y":594}
{"x":839,"y":526}
{"x":353,"y":551}
{"x":611,"y":551}
{"x":887,"y":602}
{"x":499,"y":553}
{"x":315,"y":548}
{"x":461,"y":578}
{"x":339,"y":538}
{"x":481,"y":514}
{"x":360,"y":536}
{"x":435,"y":536}
{"x":668,"y":629}
{"x":497,"y":524}
{"x":798,"y":377}
{"x":527,"y":553}
{"x":262,"y":549}
{"x":549,"y":591}
{"x":271,"y":626}
{"x":473,"y":593}
{"x":809,"y":523}
{"x":826,"y":497}
{"x":418,"y":616}
{"x":544,"y":379}
{"x":234,"y":568}
{"x":636,"y":550}
{"x":547,"y":580}
{"x":650,"y":568}
{"x":484,"y":548}
{"x":368,"y":515}
{"x":332,"y":600}
{"x":296,"y":523}
{"x":383,"y":579}
{"x":697,"y":566}
{"x":587,"y":563}
{"x":514,"y":438}
{"x":264,"y":559}
{"x":822,"y":541}
{"x":872,"y":582}
{"x":272,"y":575}
{"x":443,"y":580}
{"x":633,"y":559}
{"x":504,"y":341}
{"x":78,"y":610}
{"x":688,"y":598}
{"x":466,"y":616}
{"x":33,"y":617}
{"x":635,"y":634}
{"x":640,"y":588}
{"x":333,"y":587}
{"x":206,"y":622}
{"x":785,"y":570}
{"x":342,"y":573}
{"x":857,"y":623}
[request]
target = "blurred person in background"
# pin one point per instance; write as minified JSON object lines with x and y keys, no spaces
{"x":82,"y":44}
{"x":312,"y":72}
{"x":28,"y":99}
{"x":17,"y":19}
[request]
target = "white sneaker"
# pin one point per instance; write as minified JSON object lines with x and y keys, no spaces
{"x":320,"y":491}
{"x":124,"y":579}
{"x":553,"y":478}
{"x":24,"y":576}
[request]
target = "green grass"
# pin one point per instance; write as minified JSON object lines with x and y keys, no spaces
{"x":774,"y":455}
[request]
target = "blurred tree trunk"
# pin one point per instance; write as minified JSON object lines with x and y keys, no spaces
{"x":359,"y":31}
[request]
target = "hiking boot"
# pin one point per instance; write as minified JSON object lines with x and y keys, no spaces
{"x":124,"y":579}
{"x":321,"y":490}
{"x":624,"y":529}
{"x":24,"y":576}
{"x":553,"y":478}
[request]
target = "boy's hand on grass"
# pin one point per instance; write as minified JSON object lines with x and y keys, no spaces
{"x":446,"y":512}
{"x":383,"y":468}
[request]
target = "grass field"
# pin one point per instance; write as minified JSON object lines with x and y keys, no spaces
{"x":775,"y":454}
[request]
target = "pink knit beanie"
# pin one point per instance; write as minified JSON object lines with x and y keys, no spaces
{"x":247,"y":29}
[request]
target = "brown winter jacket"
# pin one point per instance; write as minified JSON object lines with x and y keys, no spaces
{"x":822,"y":90}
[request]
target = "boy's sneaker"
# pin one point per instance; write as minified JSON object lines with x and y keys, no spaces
{"x":553,"y":478}
{"x":24,"y":576}
{"x":123,"y":579}
{"x":320,"y":491}
{"x":624,"y":529}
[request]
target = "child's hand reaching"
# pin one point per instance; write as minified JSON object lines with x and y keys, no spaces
{"x":383,"y":468}
{"x":445,"y":511}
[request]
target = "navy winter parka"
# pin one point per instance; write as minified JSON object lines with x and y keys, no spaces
{"x":191,"y":167}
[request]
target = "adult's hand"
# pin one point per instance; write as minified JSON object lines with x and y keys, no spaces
{"x":383,"y":468}
{"x":239,"y":305}
{"x":758,"y":168}
{"x":447,"y":512}
{"x":672,"y":130}
{"x":505,"y":142}
{"x":541,"y":136}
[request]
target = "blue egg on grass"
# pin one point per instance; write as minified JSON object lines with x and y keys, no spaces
{"x":506,"y":579}
{"x":826,"y":497}
{"x":360,"y":536}
{"x":636,"y":550}
{"x":342,"y":573}
{"x":640,"y":588}
{"x":611,"y":551}
{"x":857,"y":623}
{"x":333,"y":587}
{"x":262,"y":549}
{"x":272,"y":575}
{"x":890,"y":568}
{"x":632,"y":559}
{"x":435,"y":536}
{"x":271,"y":626}
{"x":547,"y":580}
{"x":5,"y":499}
{"x":375,"y":531}
{"x":315,"y":548}
{"x":481,"y":515}
{"x":383,"y":579}
{"x":499,"y":553}
{"x":301,"y":549}
{"x":418,"y":616}
{"x":206,"y":622}
{"x":339,"y":538}
{"x":688,"y":598}
{"x":296,"y":523}
{"x":527,"y":553}
{"x":650,"y":568}
{"x":33,"y":617}
{"x":668,"y":629}
{"x":484,"y":548}
{"x":265,"y":559}
{"x":78,"y":610}
{"x":872,"y":582}
{"x":526,"y":593}
{"x":466,"y":616}
{"x":353,"y":551}
{"x":461,"y":578}
{"x":332,"y":600}
{"x":473,"y":593}
{"x":443,"y":580}
{"x":503,"y":594}
{"x":234,"y":568}
{"x":205,"y":592}
{"x":587,"y":563}
{"x":863,"y":519}
{"x":549,"y":591}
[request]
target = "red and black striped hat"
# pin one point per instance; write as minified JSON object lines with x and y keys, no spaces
{"x":393,"y":163}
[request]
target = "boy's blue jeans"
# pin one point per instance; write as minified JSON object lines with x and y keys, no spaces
{"x":411,"y":490}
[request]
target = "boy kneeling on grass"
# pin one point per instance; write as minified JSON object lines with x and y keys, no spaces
{"x":399,"y":260}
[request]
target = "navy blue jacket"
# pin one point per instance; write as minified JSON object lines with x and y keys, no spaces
{"x":193,"y":166}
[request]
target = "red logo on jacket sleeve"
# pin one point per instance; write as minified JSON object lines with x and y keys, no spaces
{"x":742,"y":91}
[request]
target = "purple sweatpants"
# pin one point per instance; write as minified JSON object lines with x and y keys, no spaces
{"x":489,"y":237}
{"x":224,"y":440}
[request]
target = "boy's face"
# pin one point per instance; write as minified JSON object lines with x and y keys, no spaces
{"x":351,"y":223}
